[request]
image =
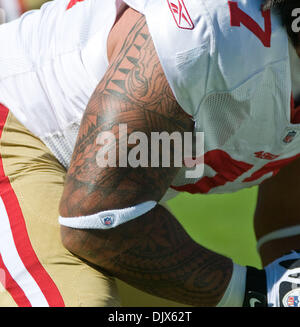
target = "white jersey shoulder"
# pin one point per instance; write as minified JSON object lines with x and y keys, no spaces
{"x":209,"y":46}
{"x":51,"y":66}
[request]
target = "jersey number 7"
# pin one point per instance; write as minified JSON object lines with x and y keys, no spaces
{"x":238,"y":17}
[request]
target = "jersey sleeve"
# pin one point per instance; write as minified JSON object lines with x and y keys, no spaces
{"x":183,"y":38}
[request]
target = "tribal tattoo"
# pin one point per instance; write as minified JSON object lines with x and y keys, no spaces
{"x":156,"y":255}
{"x":153,"y":252}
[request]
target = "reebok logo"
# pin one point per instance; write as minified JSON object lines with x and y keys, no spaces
{"x":180,"y":14}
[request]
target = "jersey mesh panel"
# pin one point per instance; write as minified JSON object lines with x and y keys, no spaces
{"x":223,"y":117}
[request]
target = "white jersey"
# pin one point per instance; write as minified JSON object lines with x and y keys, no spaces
{"x":227,"y":63}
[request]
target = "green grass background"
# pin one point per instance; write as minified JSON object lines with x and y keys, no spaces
{"x":223,"y":223}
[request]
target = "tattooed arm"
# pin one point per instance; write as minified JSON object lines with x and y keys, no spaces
{"x":152,"y":252}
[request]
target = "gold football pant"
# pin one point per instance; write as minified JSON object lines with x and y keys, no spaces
{"x":35,"y":268}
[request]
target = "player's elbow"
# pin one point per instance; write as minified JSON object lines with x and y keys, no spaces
{"x":76,"y":241}
{"x":94,"y":246}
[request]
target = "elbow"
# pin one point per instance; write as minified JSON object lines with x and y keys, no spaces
{"x":74,"y":241}
{"x":89,"y":245}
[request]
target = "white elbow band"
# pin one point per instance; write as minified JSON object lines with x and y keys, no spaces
{"x":108,"y":219}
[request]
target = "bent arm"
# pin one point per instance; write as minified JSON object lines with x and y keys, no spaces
{"x":152,"y":252}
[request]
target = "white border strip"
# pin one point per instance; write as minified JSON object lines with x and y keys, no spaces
{"x":280,"y":233}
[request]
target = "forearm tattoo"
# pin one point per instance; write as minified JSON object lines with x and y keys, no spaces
{"x":156,"y":255}
{"x":153,"y":252}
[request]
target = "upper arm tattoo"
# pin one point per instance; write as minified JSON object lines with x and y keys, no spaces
{"x":135,"y":92}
